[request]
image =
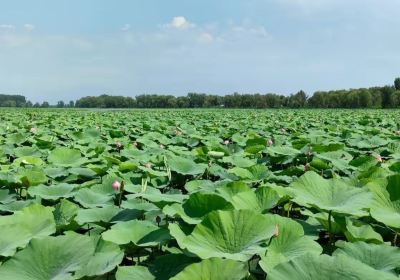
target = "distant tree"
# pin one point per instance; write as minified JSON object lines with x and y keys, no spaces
{"x":60,"y":104}
{"x":365,"y":98}
{"x":45,"y":104}
{"x":36,"y":105}
{"x":71,"y":104}
{"x":397,"y":83}
{"x":387,"y":96}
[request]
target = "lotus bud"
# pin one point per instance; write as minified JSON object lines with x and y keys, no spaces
{"x":147,"y":165}
{"x":270,"y":142}
{"x":307,"y":167}
{"x":162,"y":146}
{"x":398,"y":132}
{"x":379,"y":158}
{"x":226,"y":142}
{"x":118,"y":145}
{"x":135,"y":144}
{"x":34,"y":130}
{"x":283,"y":130}
{"x":116,"y":185}
{"x":276,"y":231}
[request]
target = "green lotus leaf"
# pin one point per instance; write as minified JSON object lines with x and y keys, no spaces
{"x":6,"y":196}
{"x":90,"y":198}
{"x":197,"y":206}
{"x":64,"y":214}
{"x":84,"y":172}
{"x":386,"y":205}
{"x":32,"y":177}
{"x":160,"y":197}
{"x":380,"y":257}
{"x":289,"y":244}
{"x":18,"y":229}
{"x":106,"y":257}
{"x":96,"y":215}
{"x":239,"y":161}
{"x":254,"y":173}
{"x":26,"y":151}
{"x":65,"y":157}
{"x":134,"y":272}
{"x":359,"y":231}
{"x":140,"y":233}
{"x":185,"y":166}
{"x":163,"y":268}
{"x":338,"y":159}
{"x":283,"y":151}
{"x":311,"y":190}
{"x":49,"y":258}
{"x":54,"y":172}
{"x":53,"y":192}
{"x":324,"y":267}
{"x":29,"y":160}
{"x":234,"y":234}
{"x":17,"y":205}
{"x":364,"y":142}
{"x":214,"y":268}
{"x":243,"y":197}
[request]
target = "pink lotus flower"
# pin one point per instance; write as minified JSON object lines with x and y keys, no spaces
{"x":379,"y":158}
{"x":34,"y":130}
{"x":147,"y":165}
{"x":118,"y":145}
{"x":226,"y":142}
{"x":116,"y":185}
{"x":270,"y":142}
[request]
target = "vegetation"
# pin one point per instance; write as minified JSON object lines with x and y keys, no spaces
{"x":375,"y":97}
{"x":196,"y":194}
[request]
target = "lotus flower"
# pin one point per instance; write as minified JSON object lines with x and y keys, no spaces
{"x":135,"y":144}
{"x":118,"y":145}
{"x":116,"y":185}
{"x":307,"y":167}
{"x":147,"y":165}
{"x":34,"y":130}
{"x":379,"y":158}
{"x":162,"y":146}
{"x":276,"y":231}
{"x":226,"y":142}
{"x":270,"y":142}
{"x":398,"y":132}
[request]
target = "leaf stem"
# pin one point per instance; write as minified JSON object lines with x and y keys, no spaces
{"x":120,"y":194}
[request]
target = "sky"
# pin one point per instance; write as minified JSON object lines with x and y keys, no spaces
{"x":67,"y":49}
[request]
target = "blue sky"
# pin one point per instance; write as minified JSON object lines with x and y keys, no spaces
{"x":63,"y":50}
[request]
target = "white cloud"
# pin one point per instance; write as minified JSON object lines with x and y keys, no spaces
{"x":7,"y":27}
{"x":205,"y":37}
{"x":126,"y":27}
{"x":180,"y":23}
{"x":29,"y":27}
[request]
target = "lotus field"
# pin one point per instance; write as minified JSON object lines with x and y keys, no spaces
{"x":199,"y":194}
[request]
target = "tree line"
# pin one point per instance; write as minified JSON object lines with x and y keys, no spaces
{"x":374,"y":97}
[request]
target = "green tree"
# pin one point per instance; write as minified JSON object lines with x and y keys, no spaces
{"x":397,"y":83}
